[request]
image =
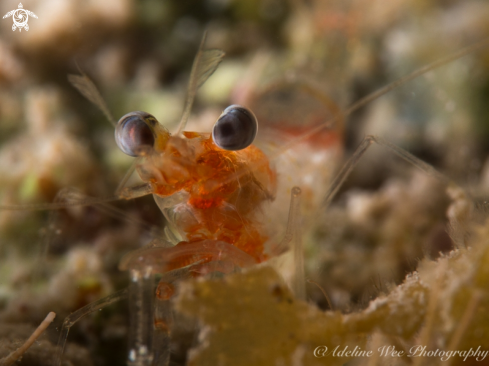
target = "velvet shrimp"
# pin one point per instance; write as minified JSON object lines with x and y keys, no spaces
{"x":214,"y":199}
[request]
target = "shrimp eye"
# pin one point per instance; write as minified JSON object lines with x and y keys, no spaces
{"x":133,"y":132}
{"x":235,"y":129}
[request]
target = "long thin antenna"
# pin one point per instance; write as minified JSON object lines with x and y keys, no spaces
{"x":88,"y":89}
{"x":362,"y":102}
{"x":59,"y":205}
{"x":205,"y":63}
{"x":384,"y":90}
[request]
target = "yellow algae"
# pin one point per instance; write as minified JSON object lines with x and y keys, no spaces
{"x":253,"y":318}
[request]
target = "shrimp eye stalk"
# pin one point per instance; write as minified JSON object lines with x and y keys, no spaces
{"x":235,"y":129}
{"x":134,"y":132}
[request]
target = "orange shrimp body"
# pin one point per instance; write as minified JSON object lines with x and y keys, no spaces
{"x":186,"y":176}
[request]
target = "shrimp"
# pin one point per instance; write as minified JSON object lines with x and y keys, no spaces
{"x":217,"y":227}
{"x":246,"y":182}
{"x":210,"y":188}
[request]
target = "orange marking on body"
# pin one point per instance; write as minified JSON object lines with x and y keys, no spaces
{"x":165,"y":291}
{"x":326,"y":139}
{"x":194,"y":164}
{"x":161,"y":325}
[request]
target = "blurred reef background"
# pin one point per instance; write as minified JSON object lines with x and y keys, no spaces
{"x":396,"y":259}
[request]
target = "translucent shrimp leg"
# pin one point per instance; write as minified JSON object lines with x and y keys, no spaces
{"x":72,"y":197}
{"x":362,"y":149}
{"x":163,"y":314}
{"x":298,"y":250}
{"x":148,"y":345}
{"x":151,"y":319}
{"x":457,"y":219}
{"x":293,"y":235}
{"x":49,"y":233}
{"x":141,"y":320}
{"x":71,"y":319}
{"x":163,"y":321}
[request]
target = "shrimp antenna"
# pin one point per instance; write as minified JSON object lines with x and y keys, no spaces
{"x":205,"y":63}
{"x":364,"y":101}
{"x":88,"y":89}
{"x":384,"y":90}
{"x":60,"y":205}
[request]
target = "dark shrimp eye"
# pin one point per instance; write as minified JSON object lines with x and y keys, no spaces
{"x":132,"y":132}
{"x":235,"y":129}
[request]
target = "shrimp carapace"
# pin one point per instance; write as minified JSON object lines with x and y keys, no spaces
{"x":293,"y":107}
{"x":184,"y":171}
{"x":288,"y":109}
